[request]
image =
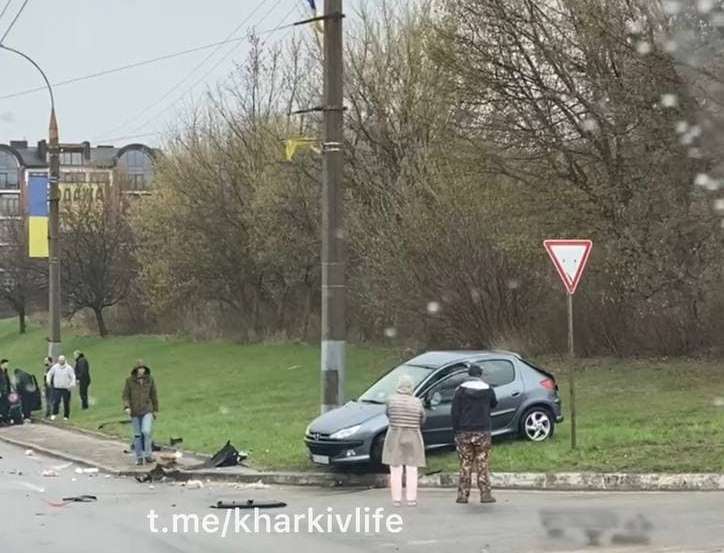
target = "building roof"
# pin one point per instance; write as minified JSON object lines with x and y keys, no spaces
{"x":33,"y":156}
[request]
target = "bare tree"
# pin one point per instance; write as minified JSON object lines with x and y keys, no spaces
{"x":97,"y":251}
{"x":22,"y":279}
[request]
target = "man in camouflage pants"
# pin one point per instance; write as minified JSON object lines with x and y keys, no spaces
{"x":471,"y":407}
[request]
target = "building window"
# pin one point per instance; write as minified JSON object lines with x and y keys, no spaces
{"x":9,"y":171}
{"x":9,"y":205}
{"x":72,"y":177}
{"x":71,"y":158}
{"x":100,"y":177}
{"x":136,"y":166}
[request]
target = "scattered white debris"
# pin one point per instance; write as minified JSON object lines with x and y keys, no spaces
{"x":151,"y":487}
{"x":108,"y":476}
{"x":62,"y":467}
{"x":390,"y":332}
{"x":78,"y":470}
{"x":92,"y":470}
{"x":73,"y":479}
{"x":49,"y":473}
{"x":194,"y":484}
{"x":29,"y":452}
{"x":251,"y":486}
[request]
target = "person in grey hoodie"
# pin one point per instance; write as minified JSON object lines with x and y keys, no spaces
{"x":471,"y":407}
{"x":61,"y":377}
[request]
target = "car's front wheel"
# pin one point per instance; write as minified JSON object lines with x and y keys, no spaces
{"x":537,"y":424}
{"x":376,"y":451}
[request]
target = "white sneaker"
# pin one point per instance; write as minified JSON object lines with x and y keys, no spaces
{"x":52,"y":417}
{"x":65,"y":418}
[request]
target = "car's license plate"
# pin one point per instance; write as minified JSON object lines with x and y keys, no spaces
{"x":321,"y":459}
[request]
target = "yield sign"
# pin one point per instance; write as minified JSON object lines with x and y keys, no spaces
{"x":570,"y":258}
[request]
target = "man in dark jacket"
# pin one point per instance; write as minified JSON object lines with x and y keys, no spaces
{"x":4,"y":390}
{"x":141,"y":404}
{"x":471,"y":406}
{"x":49,"y":393}
{"x":82,"y":376}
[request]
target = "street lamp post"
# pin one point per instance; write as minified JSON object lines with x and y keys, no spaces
{"x":54,"y":344}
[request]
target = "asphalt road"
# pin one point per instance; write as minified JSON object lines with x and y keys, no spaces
{"x":31,"y":520}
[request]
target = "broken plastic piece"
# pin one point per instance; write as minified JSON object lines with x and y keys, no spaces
{"x":80,"y":499}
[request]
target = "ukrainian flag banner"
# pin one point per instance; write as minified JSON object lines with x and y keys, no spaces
{"x":37,"y":202}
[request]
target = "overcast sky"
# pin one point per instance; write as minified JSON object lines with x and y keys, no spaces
{"x":71,"y":38}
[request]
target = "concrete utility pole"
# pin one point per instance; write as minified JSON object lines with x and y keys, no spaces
{"x":54,"y":307}
{"x":54,"y":345}
{"x":334,"y":324}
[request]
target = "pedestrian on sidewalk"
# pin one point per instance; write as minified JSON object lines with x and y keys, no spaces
{"x":471,"y":406}
{"x":49,"y":394}
{"x":62,"y":378}
{"x":5,"y":389}
{"x":403,"y":443}
{"x":26,"y":386}
{"x":82,"y":375}
{"x":140,"y":401}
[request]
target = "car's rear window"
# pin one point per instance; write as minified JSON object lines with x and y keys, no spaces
{"x":497,"y":372}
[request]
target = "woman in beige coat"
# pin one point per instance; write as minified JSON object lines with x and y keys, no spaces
{"x":403,"y":444}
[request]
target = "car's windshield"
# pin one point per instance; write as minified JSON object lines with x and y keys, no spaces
{"x":387,"y":385}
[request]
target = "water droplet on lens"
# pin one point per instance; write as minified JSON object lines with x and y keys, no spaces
{"x":669,"y":100}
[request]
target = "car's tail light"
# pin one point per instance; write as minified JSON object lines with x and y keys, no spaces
{"x":548,"y":384}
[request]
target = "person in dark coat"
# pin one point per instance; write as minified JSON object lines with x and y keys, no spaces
{"x":48,"y":362}
{"x":82,"y":376}
{"x":140,"y":402}
{"x":4,"y":389}
{"x":26,"y":386}
{"x":471,"y":407}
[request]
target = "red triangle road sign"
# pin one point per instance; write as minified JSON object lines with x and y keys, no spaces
{"x":569,"y":258}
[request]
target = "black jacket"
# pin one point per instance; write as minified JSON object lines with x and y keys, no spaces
{"x":82,"y":370}
{"x":471,"y":406}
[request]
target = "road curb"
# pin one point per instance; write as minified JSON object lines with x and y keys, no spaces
{"x":561,"y":481}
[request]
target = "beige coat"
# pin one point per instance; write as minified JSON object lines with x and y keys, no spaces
{"x":403,"y":442}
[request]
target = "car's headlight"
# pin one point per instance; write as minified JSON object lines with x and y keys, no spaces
{"x":308,"y":431}
{"x":345,"y":432}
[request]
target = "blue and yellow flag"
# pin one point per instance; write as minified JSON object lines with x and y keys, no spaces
{"x":37,"y":202}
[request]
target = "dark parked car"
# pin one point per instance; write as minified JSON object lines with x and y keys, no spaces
{"x":529,"y":405}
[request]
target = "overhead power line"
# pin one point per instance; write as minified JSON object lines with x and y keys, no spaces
{"x":15,"y":20}
{"x":204,"y":76}
{"x":7,"y":5}
{"x":189,"y":75}
{"x":124,"y":67}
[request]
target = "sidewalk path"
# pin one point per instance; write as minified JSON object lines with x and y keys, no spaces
{"x":84,"y":448}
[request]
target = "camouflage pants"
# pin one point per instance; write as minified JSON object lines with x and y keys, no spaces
{"x":474,"y":452}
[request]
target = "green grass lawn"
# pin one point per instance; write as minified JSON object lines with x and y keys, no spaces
{"x":644,"y":415}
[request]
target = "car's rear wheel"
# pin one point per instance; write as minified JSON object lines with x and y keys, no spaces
{"x":537,"y":424}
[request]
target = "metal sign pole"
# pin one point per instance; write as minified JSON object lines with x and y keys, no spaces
{"x":572,"y":373}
